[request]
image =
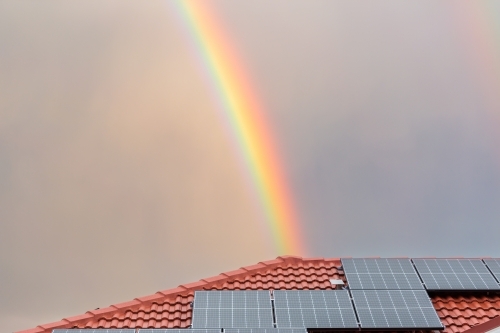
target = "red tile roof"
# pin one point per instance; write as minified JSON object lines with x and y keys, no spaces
{"x":171,"y":308}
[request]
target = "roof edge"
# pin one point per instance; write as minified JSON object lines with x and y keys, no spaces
{"x":180,"y":290}
{"x":484,"y":327}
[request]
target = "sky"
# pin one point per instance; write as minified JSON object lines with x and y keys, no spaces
{"x":119,"y":178}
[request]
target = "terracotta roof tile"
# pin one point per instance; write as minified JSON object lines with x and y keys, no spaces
{"x":80,"y":317}
{"x":461,"y":312}
{"x":194,"y":285}
{"x":236,"y":272}
{"x":254,"y":267}
{"x":150,"y":298}
{"x":107,"y":310}
{"x":177,"y":290}
{"x":126,"y":305}
{"x":171,"y":308}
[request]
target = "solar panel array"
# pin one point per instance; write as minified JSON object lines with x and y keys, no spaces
{"x":179,"y":330}
{"x":92,"y":330}
{"x":494,"y":266}
{"x":235,"y":308}
{"x":265,"y":330}
{"x":380,"y":274}
{"x":387,"y":294}
{"x":455,"y":274}
{"x":314,"y":309}
{"x":395,"y":309}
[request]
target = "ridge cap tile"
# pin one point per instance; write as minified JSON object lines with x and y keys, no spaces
{"x":314,"y":259}
{"x":214,"y":278}
{"x":234,"y":273}
{"x":193,"y":285}
{"x":55,"y":324}
{"x":102,"y":311}
{"x":79,"y":317}
{"x":150,"y":298}
{"x":285,"y":257}
{"x":170,"y":292}
{"x":127,"y":304}
{"x":252,"y":268}
{"x":271,"y":262}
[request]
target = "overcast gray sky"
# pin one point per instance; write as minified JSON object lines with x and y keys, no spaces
{"x":118,"y":179}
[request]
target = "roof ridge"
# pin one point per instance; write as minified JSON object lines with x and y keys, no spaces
{"x":171,"y":308}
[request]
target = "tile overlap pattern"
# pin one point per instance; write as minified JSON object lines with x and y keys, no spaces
{"x":172,"y":308}
{"x":461,"y":312}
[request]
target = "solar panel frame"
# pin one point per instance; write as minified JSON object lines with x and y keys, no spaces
{"x":493,"y":265}
{"x":395,"y":310}
{"x":179,"y":330}
{"x":455,"y":274}
{"x":381,"y":274}
{"x":93,"y":330}
{"x":265,"y":330}
{"x":314,"y":309}
{"x":232,"y":309}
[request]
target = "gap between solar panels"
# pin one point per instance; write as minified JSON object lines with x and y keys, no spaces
{"x":415,"y":274}
{"x":181,"y":330}
{"x":284,"y":309}
{"x":185,"y":330}
{"x":383,"y":294}
{"x":389,"y":294}
{"x":494,"y":267}
{"x":227,"y":330}
{"x":94,"y":330}
{"x":314,"y":310}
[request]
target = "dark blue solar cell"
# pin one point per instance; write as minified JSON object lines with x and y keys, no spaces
{"x":395,"y":309}
{"x":232,"y":309}
{"x":314,"y":309}
{"x":381,"y":273}
{"x":455,"y":274}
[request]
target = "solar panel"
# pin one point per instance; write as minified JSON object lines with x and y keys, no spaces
{"x":381,"y":274}
{"x":314,"y":309}
{"x":179,"y":330}
{"x":455,"y":274}
{"x":232,"y":308}
{"x":395,"y":310}
{"x":265,"y":330}
{"x":93,"y":330}
{"x":494,"y":266}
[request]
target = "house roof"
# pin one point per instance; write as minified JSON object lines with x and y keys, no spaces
{"x":459,"y":312}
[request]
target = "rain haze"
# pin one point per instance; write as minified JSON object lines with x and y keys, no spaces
{"x":118,"y":176}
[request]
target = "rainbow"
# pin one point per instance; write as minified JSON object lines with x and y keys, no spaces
{"x":244,"y":114}
{"x":479,"y":26}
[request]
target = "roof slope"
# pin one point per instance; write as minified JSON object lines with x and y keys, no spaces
{"x":171,"y":308}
